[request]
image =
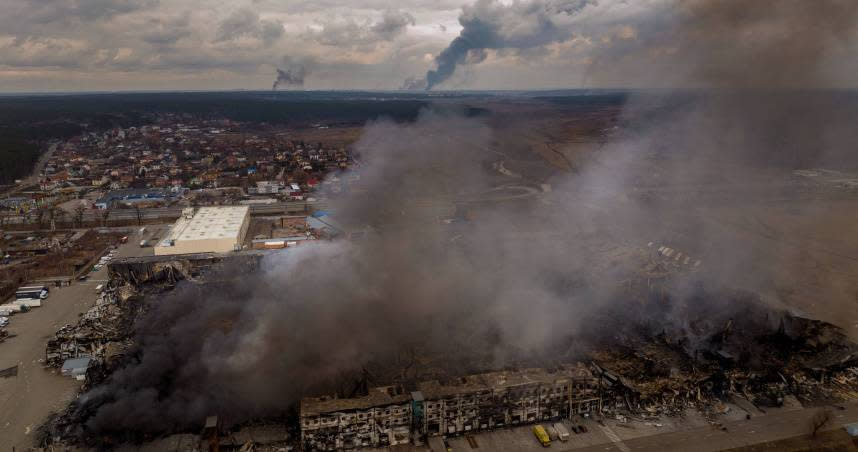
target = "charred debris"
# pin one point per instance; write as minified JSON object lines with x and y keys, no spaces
{"x":649,"y":355}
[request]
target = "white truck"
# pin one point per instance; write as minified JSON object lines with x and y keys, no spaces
{"x":562,"y":431}
{"x":28,"y":302}
{"x":8,"y":309}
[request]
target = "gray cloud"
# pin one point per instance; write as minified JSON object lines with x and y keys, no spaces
{"x":528,"y":44}
{"x":350,"y":33}
{"x":392,"y":24}
{"x":167,"y":31}
{"x":247,"y":23}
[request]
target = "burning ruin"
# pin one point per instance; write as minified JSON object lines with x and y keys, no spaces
{"x":633,"y":363}
{"x":486,"y":312}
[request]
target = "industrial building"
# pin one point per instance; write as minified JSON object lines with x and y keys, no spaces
{"x":390,"y":415}
{"x":207,"y":230}
{"x":133,"y":196}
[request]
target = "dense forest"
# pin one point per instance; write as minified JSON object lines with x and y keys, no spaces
{"x":18,"y":156}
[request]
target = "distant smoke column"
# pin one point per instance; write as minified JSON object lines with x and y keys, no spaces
{"x":290,"y":77}
{"x":489,"y":24}
{"x":448,"y":59}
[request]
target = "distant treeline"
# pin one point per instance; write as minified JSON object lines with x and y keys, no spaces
{"x":28,"y":122}
{"x":106,"y":110}
{"x":18,"y":156}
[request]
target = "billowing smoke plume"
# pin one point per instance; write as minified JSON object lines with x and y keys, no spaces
{"x":749,"y":94}
{"x":420,"y":297}
{"x":489,"y":24}
{"x":293,"y":76}
{"x":465,"y":296}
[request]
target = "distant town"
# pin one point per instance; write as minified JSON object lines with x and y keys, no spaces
{"x":133,"y":176}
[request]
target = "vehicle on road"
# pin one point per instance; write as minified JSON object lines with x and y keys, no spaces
{"x":124,"y":239}
{"x":28,"y":302}
{"x":98,"y":288}
{"x":8,"y":309}
{"x":32,"y":292}
{"x":562,"y":432}
{"x":541,"y":435}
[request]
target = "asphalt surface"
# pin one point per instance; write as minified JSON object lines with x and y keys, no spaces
{"x":26,"y":400}
{"x":694,"y":435}
{"x":736,"y":434}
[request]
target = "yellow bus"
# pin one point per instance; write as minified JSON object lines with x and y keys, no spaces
{"x":542,"y":435}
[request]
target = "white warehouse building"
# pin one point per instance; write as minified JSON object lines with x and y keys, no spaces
{"x":208,"y":230}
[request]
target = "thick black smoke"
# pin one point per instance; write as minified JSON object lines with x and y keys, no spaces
{"x":748,"y":94}
{"x":419,"y":295}
{"x":489,"y":24}
{"x":464,"y":296}
{"x":293,"y":76}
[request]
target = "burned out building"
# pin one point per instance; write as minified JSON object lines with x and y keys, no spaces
{"x":389,"y":415}
{"x":381,"y":418}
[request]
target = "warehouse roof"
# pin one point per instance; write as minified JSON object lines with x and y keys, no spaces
{"x":210,"y":223}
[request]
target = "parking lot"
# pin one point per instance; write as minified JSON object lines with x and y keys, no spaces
{"x":26,"y":399}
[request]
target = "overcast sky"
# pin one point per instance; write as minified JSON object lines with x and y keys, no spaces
{"x":69,"y":45}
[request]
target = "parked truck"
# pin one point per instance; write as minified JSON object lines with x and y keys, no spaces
{"x":542,"y":435}
{"x":562,"y":431}
{"x":28,"y":302}
{"x":8,"y":309}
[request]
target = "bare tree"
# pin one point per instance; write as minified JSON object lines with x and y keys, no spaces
{"x":819,"y":420}
{"x":139,"y":214}
{"x":105,"y":214}
{"x":40,"y":216}
{"x":78,"y":215}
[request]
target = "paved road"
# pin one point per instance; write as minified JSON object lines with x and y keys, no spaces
{"x":281,"y":208}
{"x":739,"y":433}
{"x":28,"y":398}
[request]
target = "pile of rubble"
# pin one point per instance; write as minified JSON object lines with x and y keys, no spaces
{"x":101,"y":333}
{"x":760,"y":356}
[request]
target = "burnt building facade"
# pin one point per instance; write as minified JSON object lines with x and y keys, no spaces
{"x":390,"y":415}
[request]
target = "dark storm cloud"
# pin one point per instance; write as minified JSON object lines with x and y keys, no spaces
{"x":489,"y":24}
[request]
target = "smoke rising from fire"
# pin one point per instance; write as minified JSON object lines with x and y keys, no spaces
{"x":489,"y":24}
{"x":293,"y":76}
{"x":524,"y":276}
